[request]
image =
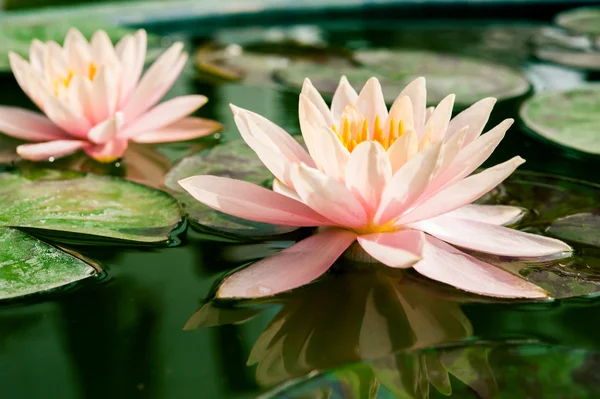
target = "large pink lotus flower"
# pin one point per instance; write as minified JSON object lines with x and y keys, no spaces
{"x":394,"y":181}
{"x":94,"y":99}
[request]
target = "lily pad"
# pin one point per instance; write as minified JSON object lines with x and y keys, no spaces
{"x":584,"y":20}
{"x":469,"y":78}
{"x":582,"y":228}
{"x":75,"y":205}
{"x":568,"y":118}
{"x":232,"y":159}
{"x":28,"y":266}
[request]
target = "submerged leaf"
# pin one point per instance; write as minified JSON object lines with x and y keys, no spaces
{"x":28,"y":265}
{"x":569,"y":118}
{"x":582,"y":228}
{"x":232,"y":159}
{"x":78,"y":204}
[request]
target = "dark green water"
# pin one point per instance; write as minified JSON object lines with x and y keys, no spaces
{"x":122,"y":337}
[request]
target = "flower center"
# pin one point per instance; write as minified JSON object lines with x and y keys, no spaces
{"x":66,"y":81}
{"x":354,"y":129}
{"x":384,"y":228}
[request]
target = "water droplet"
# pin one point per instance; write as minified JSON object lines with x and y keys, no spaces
{"x":264,"y":290}
{"x":117,"y":164}
{"x":51,"y":159}
{"x":217,"y":136}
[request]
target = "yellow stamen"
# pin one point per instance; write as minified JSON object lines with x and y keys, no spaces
{"x":371,"y":228}
{"x":377,"y":131}
{"x":346,"y":133}
{"x":400,"y":129}
{"x":364,"y":134}
{"x":92,"y":72}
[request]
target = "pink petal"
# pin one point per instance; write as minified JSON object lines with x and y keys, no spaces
{"x":368,"y":172}
{"x":447,"y":264}
{"x":282,"y":189}
{"x":476,"y":116}
{"x":78,"y":51}
{"x":452,"y":148}
{"x":27,"y":79}
{"x":344,"y":95}
{"x":105,"y":94}
{"x":27,"y":125}
{"x":133,"y":61}
{"x":492,"y":214}
{"x":185,"y":129}
{"x":290,"y":268}
{"x":400,"y":249}
{"x":438,"y":122}
{"x":331,"y":156}
{"x":490,"y":238}
{"x":250,"y":201}
{"x":66,"y":117}
{"x":328,"y":196}
{"x":107,"y":130}
{"x":37,"y":55}
{"x":402,"y":110}
{"x":103,"y":51}
{"x":109,"y":151}
{"x":417,"y":93}
{"x":51,"y":149}
{"x":469,"y":158}
{"x":80,"y":97}
{"x":310,"y":120}
{"x":313,"y":95}
{"x":274,"y":136}
{"x":462,"y":193}
{"x":408,"y":184}
{"x":404,"y":149}
{"x":165,"y":114}
{"x":156,"y":82}
{"x":371,"y":103}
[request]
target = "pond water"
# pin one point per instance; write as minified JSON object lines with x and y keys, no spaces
{"x":355,"y":331}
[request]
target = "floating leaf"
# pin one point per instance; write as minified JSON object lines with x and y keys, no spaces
{"x":584,"y":20}
{"x":569,"y":118}
{"x":232,"y":159}
{"x":28,"y":265}
{"x":8,"y":149}
{"x":77,"y":204}
{"x":469,"y":78}
{"x":582,"y":228}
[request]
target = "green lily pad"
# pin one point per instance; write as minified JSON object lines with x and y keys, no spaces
{"x":8,"y":149}
{"x":75,"y":204}
{"x":469,"y":78}
{"x":582,"y":228}
{"x":584,"y":20}
{"x":28,"y":266}
{"x":568,"y":118}
{"x":232,"y":159}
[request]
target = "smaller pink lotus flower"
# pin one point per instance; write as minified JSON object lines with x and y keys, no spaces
{"x":396,"y":182}
{"x":95,"y":101}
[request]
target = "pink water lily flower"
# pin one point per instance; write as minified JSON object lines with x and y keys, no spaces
{"x":95,"y":98}
{"x":398,"y":182}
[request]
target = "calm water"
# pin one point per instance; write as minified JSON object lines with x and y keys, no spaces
{"x":122,"y":336}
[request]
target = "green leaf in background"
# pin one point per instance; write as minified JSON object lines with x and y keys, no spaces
{"x":80,"y":204}
{"x":469,"y":78}
{"x":585,"y":20}
{"x":232,"y":159}
{"x":28,"y":265}
{"x":568,"y":118}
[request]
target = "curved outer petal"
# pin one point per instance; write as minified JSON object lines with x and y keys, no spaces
{"x":408,"y":184}
{"x":28,"y":125}
{"x":470,"y":158}
{"x":492,"y":214}
{"x":476,"y":117}
{"x":66,"y":117}
{"x":368,"y":172}
{"x":164,"y":114}
{"x":156,"y":82}
{"x":185,"y":129}
{"x":371,"y":103}
{"x":417,"y":93}
{"x":109,"y":151}
{"x":447,"y":264}
{"x":107,"y":130}
{"x":328,"y":196}
{"x":439,"y":120}
{"x":28,"y":79}
{"x":344,"y":95}
{"x":250,"y":201}
{"x":313,"y":95}
{"x":490,"y":238}
{"x":403,"y":150}
{"x":293,"y":267}
{"x":51,"y":149}
{"x":400,"y":249}
{"x":310,"y":119}
{"x":462,"y":193}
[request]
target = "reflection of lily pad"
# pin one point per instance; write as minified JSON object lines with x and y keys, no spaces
{"x":569,"y":118}
{"x":470,"y":79}
{"x":581,"y":20}
{"x":233,"y":159}
{"x":583,"y":228}
{"x":28,"y":266}
{"x":76,"y":204}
